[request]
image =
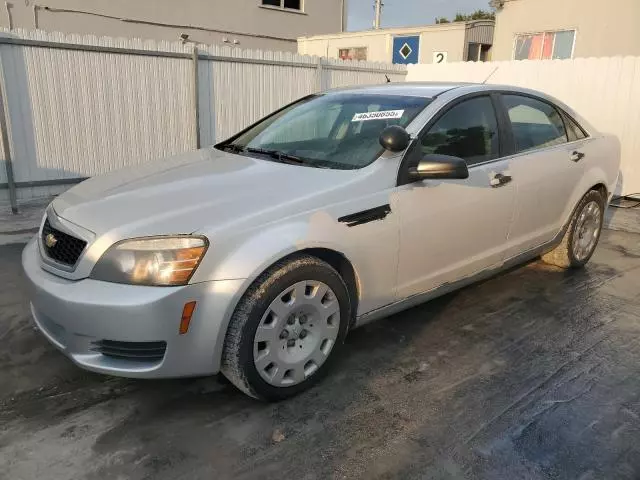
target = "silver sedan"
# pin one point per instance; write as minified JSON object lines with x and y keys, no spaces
{"x":256,"y":257}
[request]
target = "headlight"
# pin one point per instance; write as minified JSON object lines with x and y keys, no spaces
{"x":151,"y":261}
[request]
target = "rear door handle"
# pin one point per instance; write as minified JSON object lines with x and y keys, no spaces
{"x":576,"y":156}
{"x":500,"y":180}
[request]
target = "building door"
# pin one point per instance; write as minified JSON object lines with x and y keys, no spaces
{"x":406,"y":49}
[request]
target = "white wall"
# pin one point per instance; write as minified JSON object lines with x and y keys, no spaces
{"x":606,"y":91}
{"x":245,"y":21}
{"x":449,"y":37}
{"x":78,"y":113}
{"x":602,"y":28}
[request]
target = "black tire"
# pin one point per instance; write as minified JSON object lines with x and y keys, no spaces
{"x":237,"y":357}
{"x":563,"y":255}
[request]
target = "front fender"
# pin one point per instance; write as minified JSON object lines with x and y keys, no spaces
{"x":248,"y":254}
{"x":371,"y":248}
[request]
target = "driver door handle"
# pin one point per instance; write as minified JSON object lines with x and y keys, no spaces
{"x":576,"y":156}
{"x":500,"y":180}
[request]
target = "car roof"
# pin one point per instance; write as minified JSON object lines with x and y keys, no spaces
{"x":432,"y":90}
{"x":414,"y":89}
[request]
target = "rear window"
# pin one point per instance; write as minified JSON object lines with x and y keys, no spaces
{"x":535,"y":124}
{"x":574,"y":131}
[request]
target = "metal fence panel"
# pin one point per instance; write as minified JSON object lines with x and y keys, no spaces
{"x":241,"y":93}
{"x":80,"y":105}
{"x":79,"y":113}
{"x":337,"y":77}
{"x":606,"y":91}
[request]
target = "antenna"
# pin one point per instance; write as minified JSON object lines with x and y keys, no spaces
{"x":490,"y":75}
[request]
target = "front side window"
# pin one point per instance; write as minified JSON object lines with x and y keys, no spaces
{"x":468,"y":130}
{"x":535,"y":124}
{"x":336,"y":131}
{"x":289,"y":4}
{"x":544,"y":45}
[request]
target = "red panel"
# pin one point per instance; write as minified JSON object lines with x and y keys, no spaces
{"x":535,"y":52}
{"x":547,"y":51}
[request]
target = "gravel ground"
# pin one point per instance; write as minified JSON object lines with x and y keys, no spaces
{"x":532,"y":374}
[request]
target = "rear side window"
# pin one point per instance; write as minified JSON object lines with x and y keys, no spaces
{"x":535,"y":124}
{"x":468,"y":130}
{"x":574,"y":131}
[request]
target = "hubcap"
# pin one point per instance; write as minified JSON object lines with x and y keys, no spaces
{"x":296,"y":333}
{"x":586,"y":231}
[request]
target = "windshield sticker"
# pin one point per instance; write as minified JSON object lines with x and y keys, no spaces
{"x":383,"y":115}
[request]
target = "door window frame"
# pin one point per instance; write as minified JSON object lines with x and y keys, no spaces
{"x":512,"y":151}
{"x":507,"y":144}
{"x":505,"y":139}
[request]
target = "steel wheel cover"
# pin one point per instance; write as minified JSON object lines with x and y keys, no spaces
{"x":296,"y":333}
{"x":586,"y":231}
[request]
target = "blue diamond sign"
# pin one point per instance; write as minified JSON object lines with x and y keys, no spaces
{"x":406,"y":49}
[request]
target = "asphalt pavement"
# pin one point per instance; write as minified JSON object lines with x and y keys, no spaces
{"x":534,"y":374}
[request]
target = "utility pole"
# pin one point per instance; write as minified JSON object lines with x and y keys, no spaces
{"x":378,"y":8}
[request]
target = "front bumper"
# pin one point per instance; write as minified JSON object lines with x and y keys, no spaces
{"x":76,"y":316}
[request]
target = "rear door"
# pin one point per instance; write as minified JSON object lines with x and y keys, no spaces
{"x":545,"y":167}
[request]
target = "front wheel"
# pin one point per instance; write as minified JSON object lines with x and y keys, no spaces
{"x":581,"y":238}
{"x":286,"y":329}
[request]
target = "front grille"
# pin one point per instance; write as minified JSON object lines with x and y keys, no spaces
{"x":64,"y":248}
{"x":138,"y":351}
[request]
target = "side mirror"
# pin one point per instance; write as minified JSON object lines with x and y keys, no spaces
{"x":394,"y":138}
{"x":439,"y":167}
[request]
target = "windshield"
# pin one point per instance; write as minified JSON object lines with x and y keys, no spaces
{"x":331,"y":131}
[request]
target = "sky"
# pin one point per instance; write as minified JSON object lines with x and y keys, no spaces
{"x":403,"y":13}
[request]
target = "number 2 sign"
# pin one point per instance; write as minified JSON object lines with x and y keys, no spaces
{"x":439,"y":57}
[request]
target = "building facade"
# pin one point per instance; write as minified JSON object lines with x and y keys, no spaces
{"x":559,"y":29}
{"x":449,"y":42}
{"x":263,"y":24}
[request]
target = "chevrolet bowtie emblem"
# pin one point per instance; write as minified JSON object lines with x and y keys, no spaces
{"x":50,"y":240}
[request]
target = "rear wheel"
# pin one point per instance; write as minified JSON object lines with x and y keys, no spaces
{"x":581,"y":238}
{"x":286,"y":329}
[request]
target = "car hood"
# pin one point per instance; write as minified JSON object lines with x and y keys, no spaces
{"x":185,"y":193}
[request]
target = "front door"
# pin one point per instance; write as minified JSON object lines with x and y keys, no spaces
{"x":451,"y":229}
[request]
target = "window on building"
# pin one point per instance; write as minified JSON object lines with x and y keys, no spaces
{"x":535,"y":124}
{"x":288,"y":4}
{"x":353,"y":53}
{"x":477,"y":52}
{"x":484,"y":53}
{"x":473,"y":52}
{"x":293,"y":4}
{"x":544,"y":45}
{"x":469,"y":130}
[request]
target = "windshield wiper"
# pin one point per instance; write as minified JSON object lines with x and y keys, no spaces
{"x":280,"y":156}
{"x":232,"y":147}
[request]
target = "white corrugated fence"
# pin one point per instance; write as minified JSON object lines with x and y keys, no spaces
{"x":79,"y":105}
{"x":606,"y":91}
